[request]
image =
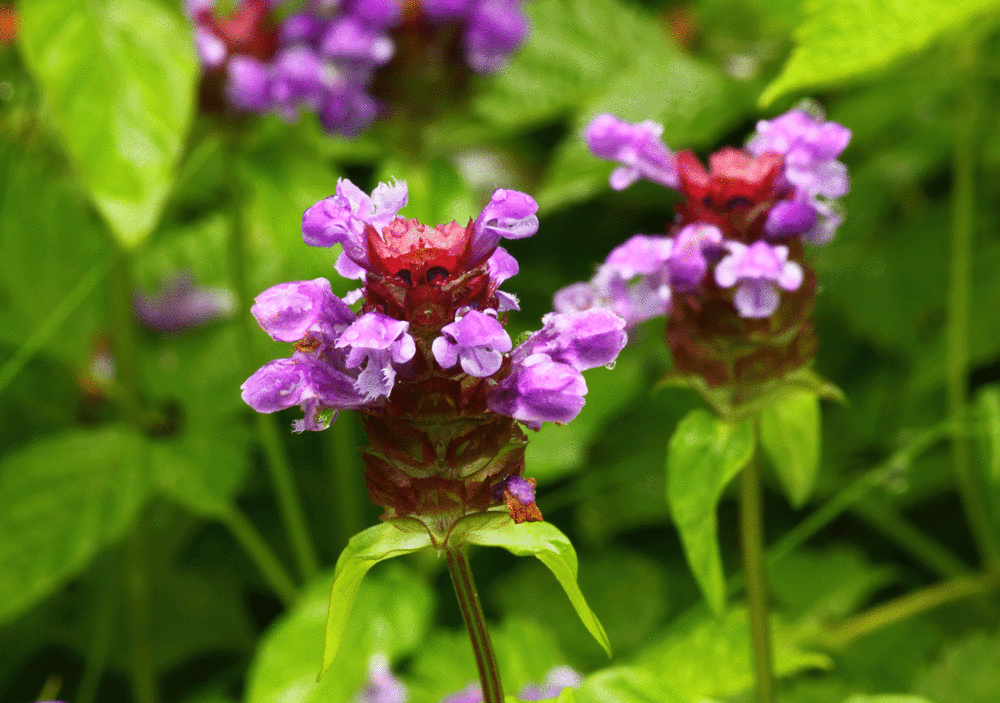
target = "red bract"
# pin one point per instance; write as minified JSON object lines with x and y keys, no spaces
{"x":249,"y":31}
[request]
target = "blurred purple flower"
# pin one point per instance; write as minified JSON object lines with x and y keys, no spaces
{"x":636,"y":146}
{"x":382,"y":686}
{"x":758,"y":270}
{"x":181,"y":305}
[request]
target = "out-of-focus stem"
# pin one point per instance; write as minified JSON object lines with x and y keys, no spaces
{"x":282,"y":477}
{"x":124,"y":342}
{"x":910,"y":605}
{"x":962,"y":229}
{"x":754,"y":567}
{"x":260,"y":553}
{"x":100,"y":643}
{"x":345,"y":465}
{"x":142,"y":666}
{"x":475,"y":621}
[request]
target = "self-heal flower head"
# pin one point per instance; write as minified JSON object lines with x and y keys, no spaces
{"x":379,"y":342}
{"x":636,"y":146}
{"x":476,"y":340}
{"x":759,"y":270}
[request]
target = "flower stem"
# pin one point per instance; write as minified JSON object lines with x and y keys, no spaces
{"x":142,"y":666}
{"x":260,"y":553}
{"x":282,"y":477}
{"x":960,"y":281}
{"x":910,"y":605}
{"x":100,"y":640}
{"x":754,"y":566}
{"x":475,"y":621}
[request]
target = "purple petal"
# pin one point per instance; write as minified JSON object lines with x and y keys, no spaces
{"x":790,"y":218}
{"x":501,"y":266}
{"x":641,"y":254}
{"x":546,"y":391}
{"x":756,"y":298}
{"x":277,"y":385}
{"x":509,"y":214}
{"x":249,"y":84}
{"x":289,"y":311}
{"x":688,"y":263}
{"x":495,"y":29}
{"x":583,"y":340}
{"x":476,"y":340}
{"x":636,"y":146}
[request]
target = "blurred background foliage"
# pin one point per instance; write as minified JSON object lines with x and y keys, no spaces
{"x":137,"y":512}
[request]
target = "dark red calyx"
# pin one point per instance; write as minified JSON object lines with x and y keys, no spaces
{"x":416,"y":254}
{"x":735,"y":182}
{"x":249,"y":31}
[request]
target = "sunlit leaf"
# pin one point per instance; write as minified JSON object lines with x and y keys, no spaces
{"x":392,"y":617}
{"x":965,"y":671}
{"x":842,"y":40}
{"x":705,"y":454}
{"x":790,"y":436}
{"x":627,"y":685}
{"x":118,"y":77}
{"x":544,"y":541}
{"x":367,"y":548}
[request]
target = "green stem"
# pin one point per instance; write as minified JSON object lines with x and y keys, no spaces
{"x":270,"y":567}
{"x":124,"y":340}
{"x":910,"y":605}
{"x":282,"y":477}
{"x":752,"y":545}
{"x":142,"y":665}
{"x":345,"y":477}
{"x":100,"y":644}
{"x":858,"y":489}
{"x":475,"y":621}
{"x":51,"y":324}
{"x":885,"y":518}
{"x":957,"y":369}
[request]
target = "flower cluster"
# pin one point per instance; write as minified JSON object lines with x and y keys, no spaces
{"x":181,"y":305}
{"x":426,"y":358}
{"x":730,"y":272}
{"x":324,"y":57}
{"x":383,"y":687}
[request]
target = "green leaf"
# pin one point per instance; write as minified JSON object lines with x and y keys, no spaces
{"x":392,"y":617}
{"x":704,"y":656}
{"x":705,"y":454}
{"x":965,"y":671}
{"x":843,"y":40}
{"x":574,"y":49}
{"x":790,"y":436}
{"x":544,"y":541}
{"x":63,"y":499}
{"x":365,"y":550}
{"x":886,"y":698}
{"x":118,"y":77}
{"x":626,"y":685}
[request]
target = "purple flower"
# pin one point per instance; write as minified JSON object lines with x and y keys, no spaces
{"x":495,"y":28}
{"x":583,"y":340}
{"x":472,"y":693}
{"x":379,"y":342}
{"x":510,"y":214}
{"x":249,"y":84}
{"x":636,"y":146}
{"x":758,"y":269}
{"x":382,"y":686}
{"x":476,"y":340}
{"x":342,"y":217}
{"x":555,"y":681}
{"x":540,"y":391}
{"x":350,"y":39}
{"x":790,"y":218}
{"x":290,"y":311}
{"x":687,"y":261}
{"x":302,"y":380}
{"x":181,"y":305}
{"x":501,"y":266}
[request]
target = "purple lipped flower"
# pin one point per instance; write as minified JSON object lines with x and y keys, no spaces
{"x":790,"y":218}
{"x":810,"y":146}
{"x":248,"y":84}
{"x":476,"y":340}
{"x":342,"y":217}
{"x":446,"y":10}
{"x":759,"y":270}
{"x":495,"y":28}
{"x":318,"y":387}
{"x":501,"y":266}
{"x":381,"y":14}
{"x":556,"y":680}
{"x":380,"y":342}
{"x":637,"y":147}
{"x":510,"y":214}
{"x":583,"y":340}
{"x":473,"y":693}
{"x":688,"y":261}
{"x":382,"y":686}
{"x":305,"y":27}
{"x":181,"y":305}
{"x":540,"y":390}
{"x":519,"y":487}
{"x":290,"y":311}
{"x":297,"y":80}
{"x":352,"y":39}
